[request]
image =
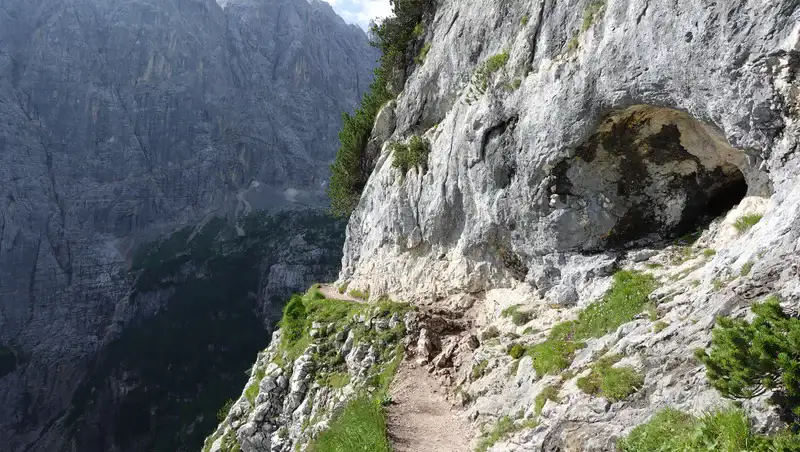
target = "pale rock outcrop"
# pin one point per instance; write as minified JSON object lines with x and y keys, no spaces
{"x":598,"y":143}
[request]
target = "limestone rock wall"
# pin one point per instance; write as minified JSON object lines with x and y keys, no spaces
{"x":610,"y":130}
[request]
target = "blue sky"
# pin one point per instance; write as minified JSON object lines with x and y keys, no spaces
{"x":360,"y":12}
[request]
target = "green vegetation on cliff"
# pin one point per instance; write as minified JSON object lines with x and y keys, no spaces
{"x":719,"y":431}
{"x":747,"y":359}
{"x":626,"y":298}
{"x":395,"y":37}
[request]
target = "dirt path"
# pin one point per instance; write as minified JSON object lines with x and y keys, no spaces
{"x":420,"y":418}
{"x":331,"y":292}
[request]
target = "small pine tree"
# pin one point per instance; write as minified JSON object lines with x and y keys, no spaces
{"x":749,"y":358}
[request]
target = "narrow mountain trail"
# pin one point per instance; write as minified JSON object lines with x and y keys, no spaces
{"x":332,"y":292}
{"x":420,"y":419}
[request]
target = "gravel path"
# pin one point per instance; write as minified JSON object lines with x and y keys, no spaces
{"x":420,"y":418}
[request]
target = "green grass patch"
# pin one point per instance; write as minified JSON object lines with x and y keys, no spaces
{"x":709,"y":253}
{"x":360,"y":426}
{"x":659,"y":326}
{"x":745,"y":222}
{"x":411,"y":155}
{"x":626,"y":298}
{"x":479,"y":368}
{"x":357,"y":293}
{"x":591,"y":13}
{"x":252,"y":391}
{"x":524,"y":20}
{"x":746,"y":268}
{"x":504,"y":428}
{"x":516,"y":351}
{"x":613,"y":383}
{"x":548,"y":393}
{"x":723,"y":431}
{"x":423,"y":53}
{"x":335,"y":380}
{"x":517,"y":316}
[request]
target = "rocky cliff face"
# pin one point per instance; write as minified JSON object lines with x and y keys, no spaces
{"x":571,"y":140}
{"x":124,"y":120}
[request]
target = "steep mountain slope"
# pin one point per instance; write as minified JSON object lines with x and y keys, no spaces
{"x":602,"y":180}
{"x":125,"y":120}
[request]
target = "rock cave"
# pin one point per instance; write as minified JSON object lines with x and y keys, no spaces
{"x":646,"y":175}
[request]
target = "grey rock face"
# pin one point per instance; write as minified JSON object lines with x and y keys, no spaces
{"x":610,"y":140}
{"x":121,"y":120}
{"x":598,"y":136}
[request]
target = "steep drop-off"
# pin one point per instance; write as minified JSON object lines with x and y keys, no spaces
{"x":123,"y":121}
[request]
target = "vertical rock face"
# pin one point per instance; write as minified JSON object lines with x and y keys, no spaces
{"x":568,"y":141}
{"x":601,"y":130}
{"x":122,"y":120}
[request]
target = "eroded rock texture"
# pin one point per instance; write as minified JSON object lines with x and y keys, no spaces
{"x":614,"y":128}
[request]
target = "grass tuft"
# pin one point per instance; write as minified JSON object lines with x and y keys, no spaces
{"x":360,"y":426}
{"x":591,"y":13}
{"x":518,"y":317}
{"x":626,"y":298}
{"x":548,"y":393}
{"x":723,"y":430}
{"x":745,"y":222}
{"x":613,"y":383}
{"x":504,"y":428}
{"x":746,"y":268}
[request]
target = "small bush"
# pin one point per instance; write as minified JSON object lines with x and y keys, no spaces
{"x":411,"y":155}
{"x":746,"y":268}
{"x":747,"y":359}
{"x":518,"y":317}
{"x":223,"y":412}
{"x":613,"y":383}
{"x":361,"y":295}
{"x":590,"y":14}
{"x":490,"y":333}
{"x":725,"y":431}
{"x":708,"y":252}
{"x":524,"y":20}
{"x":419,"y":30}
{"x":516,"y":351}
{"x":548,"y":393}
{"x":659,"y":326}
{"x":361,"y":426}
{"x":423,"y":53}
{"x":343,"y":288}
{"x":479,"y":369}
{"x":745,"y":222}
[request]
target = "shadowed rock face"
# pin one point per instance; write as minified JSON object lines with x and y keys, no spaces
{"x":123,"y":119}
{"x":647,"y":174}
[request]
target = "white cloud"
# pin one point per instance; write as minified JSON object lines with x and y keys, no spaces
{"x":361,"y":11}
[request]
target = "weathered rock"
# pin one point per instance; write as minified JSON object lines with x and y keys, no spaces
{"x":597,"y":144}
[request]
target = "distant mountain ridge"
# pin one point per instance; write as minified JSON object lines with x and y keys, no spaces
{"x":124,"y":120}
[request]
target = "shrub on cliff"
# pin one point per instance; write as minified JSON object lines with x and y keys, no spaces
{"x":749,"y":358}
{"x":394,"y":37}
{"x":411,"y":155}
